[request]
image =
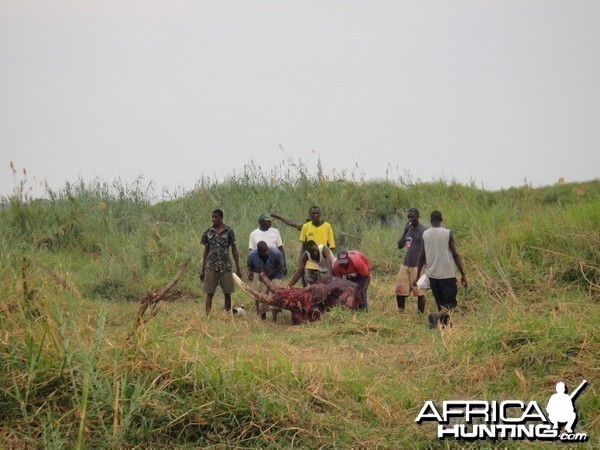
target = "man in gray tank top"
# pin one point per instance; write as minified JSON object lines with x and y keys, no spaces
{"x":440,"y":255}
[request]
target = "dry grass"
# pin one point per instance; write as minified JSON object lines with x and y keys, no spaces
{"x":70,"y":376}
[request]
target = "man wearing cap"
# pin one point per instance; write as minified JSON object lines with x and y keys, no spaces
{"x":412,"y":240}
{"x":440,"y":255}
{"x":355,"y":267}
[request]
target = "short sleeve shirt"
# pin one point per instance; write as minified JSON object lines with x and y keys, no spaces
{"x":358,"y":264}
{"x":413,"y":245}
{"x":272,"y":237}
{"x":322,"y":235}
{"x":218,"y":249}
{"x":274,"y":263}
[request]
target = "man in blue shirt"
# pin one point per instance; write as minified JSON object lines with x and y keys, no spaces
{"x":270,"y":261}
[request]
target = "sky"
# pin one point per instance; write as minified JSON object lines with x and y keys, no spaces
{"x":492,"y":93}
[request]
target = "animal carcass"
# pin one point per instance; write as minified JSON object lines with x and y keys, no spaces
{"x":307,"y":304}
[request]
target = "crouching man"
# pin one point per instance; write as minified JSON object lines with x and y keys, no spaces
{"x":355,"y":267}
{"x":269,"y":261}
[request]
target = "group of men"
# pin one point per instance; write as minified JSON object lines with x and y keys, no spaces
{"x":433,"y":248}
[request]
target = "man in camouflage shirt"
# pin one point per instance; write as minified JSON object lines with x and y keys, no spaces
{"x":216,"y":264}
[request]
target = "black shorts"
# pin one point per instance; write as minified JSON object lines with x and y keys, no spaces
{"x":444,"y":291}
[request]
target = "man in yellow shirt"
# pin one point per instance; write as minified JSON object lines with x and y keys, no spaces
{"x":322,"y":234}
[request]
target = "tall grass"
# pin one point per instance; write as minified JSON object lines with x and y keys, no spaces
{"x":75,"y":372}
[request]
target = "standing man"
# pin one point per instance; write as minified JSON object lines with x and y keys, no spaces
{"x":355,"y":267}
{"x":322,"y":234}
{"x":272,"y":237}
{"x":269,"y":261}
{"x":216,"y":264}
{"x":412,"y":240}
{"x":440,"y":255}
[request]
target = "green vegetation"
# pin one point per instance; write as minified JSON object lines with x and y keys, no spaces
{"x":75,"y":371}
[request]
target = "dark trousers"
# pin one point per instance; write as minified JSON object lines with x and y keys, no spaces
{"x":444,"y":291}
{"x":361,"y":281}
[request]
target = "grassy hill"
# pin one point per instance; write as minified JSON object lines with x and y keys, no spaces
{"x":75,"y":370}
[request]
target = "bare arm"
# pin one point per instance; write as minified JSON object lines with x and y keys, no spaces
{"x":288,"y":222}
{"x":367,"y":282}
{"x":204,"y":256}
{"x":458,"y":261}
{"x":302,"y":249}
{"x":236,"y":259}
{"x":402,"y":240}
{"x":329,"y":257}
{"x":282,"y":250}
{"x":299,"y":270}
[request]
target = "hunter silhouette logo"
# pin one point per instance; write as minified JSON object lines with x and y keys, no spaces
{"x":560,"y":407}
{"x":511,"y":419}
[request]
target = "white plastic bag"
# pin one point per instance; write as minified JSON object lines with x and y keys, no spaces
{"x":423,"y":283}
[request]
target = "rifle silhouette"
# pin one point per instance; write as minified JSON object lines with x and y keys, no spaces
{"x":576,"y":392}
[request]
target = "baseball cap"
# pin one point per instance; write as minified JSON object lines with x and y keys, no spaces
{"x":264,"y":216}
{"x":343,"y":256}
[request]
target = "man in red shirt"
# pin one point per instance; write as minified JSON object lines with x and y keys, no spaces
{"x":355,"y":267}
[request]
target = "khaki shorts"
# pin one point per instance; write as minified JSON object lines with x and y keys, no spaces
{"x":261,"y":287}
{"x":404,"y":282}
{"x":214,"y":279}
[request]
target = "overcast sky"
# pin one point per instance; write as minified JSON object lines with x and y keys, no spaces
{"x":491,"y":92}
